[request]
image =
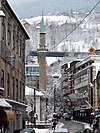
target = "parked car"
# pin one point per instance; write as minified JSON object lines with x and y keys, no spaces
{"x":26,"y":130}
{"x":67,"y":116}
{"x":61,"y":130}
{"x":17,"y":131}
{"x":84,"y":131}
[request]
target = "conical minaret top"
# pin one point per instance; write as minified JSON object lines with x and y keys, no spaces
{"x":42,"y":29}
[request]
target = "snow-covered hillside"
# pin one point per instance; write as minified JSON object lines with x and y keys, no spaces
{"x":58,"y":26}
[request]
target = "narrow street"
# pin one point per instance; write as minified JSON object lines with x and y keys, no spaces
{"x":70,"y":125}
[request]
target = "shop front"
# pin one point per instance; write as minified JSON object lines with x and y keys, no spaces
{"x":6,"y":115}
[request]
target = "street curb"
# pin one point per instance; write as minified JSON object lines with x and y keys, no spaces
{"x":79,"y":122}
{"x":84,"y":124}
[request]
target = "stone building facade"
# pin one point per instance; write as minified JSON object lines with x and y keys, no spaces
{"x":12,"y":62}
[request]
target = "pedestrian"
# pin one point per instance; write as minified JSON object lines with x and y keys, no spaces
{"x":87,"y":131}
{"x":95,"y":128}
{"x":92,"y":117}
{"x":54,"y":123}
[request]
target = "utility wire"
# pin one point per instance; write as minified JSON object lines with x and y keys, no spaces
{"x":77,"y":25}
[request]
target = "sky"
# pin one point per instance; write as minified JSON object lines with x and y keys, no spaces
{"x":33,"y":8}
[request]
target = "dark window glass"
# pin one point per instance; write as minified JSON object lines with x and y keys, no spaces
{"x":8,"y":84}
{"x":2,"y":78}
{"x":20,"y":89}
{"x":16,"y":89}
{"x":13,"y":87}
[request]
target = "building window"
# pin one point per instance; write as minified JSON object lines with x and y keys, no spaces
{"x":3,"y":30}
{"x":78,"y":80}
{"x":20,"y":89}
{"x":17,"y":44}
{"x":20,"y":47}
{"x":23,"y":91}
{"x":9,"y":34}
{"x":32,"y":69}
{"x":16,"y":89}
{"x":81,"y":79}
{"x":13,"y":40}
{"x":2,"y":78}
{"x":13,"y":87}
{"x":23,"y":51}
{"x":14,"y":36}
{"x":8,"y":84}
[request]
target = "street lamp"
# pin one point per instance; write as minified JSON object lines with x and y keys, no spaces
{"x":55,"y":77}
{"x":34,"y":107}
{"x":33,"y":112}
{"x":30,"y":74}
{"x":54,"y":96}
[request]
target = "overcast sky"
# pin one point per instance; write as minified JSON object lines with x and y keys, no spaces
{"x":28,"y":8}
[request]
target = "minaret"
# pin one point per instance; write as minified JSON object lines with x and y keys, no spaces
{"x":42,"y":57}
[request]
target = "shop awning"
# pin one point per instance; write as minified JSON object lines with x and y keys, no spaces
{"x":7,"y":115}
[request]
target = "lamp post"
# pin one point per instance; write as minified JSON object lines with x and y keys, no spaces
{"x":54,"y":96}
{"x":33,"y":112}
{"x":34,"y":107}
{"x":31,"y":84}
{"x":55,"y":77}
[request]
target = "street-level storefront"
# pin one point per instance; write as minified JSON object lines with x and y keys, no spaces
{"x":20,"y":115}
{"x":82,"y":114}
{"x":7,"y":116}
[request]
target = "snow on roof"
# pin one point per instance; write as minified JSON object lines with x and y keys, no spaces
{"x":55,"y":75}
{"x":50,"y":61}
{"x":1,"y":88}
{"x":28,"y":36}
{"x":3,"y":103}
{"x":16,"y":102}
{"x":2,"y":13}
{"x":29,"y":91}
{"x":97,"y":65}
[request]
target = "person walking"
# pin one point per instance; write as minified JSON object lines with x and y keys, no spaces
{"x":95,"y":128}
{"x":92,"y":117}
{"x":54,"y":125}
{"x":54,"y":122}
